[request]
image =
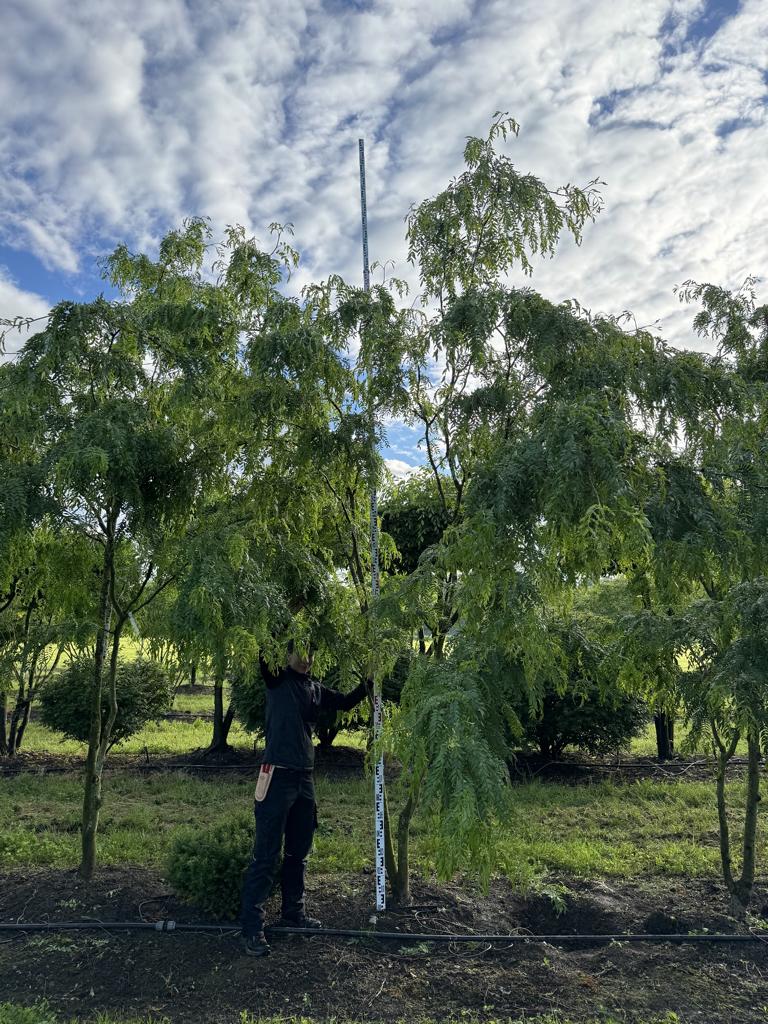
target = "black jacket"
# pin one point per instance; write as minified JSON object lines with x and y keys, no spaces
{"x":293,"y":704}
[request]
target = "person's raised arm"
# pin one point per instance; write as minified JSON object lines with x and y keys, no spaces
{"x":270,"y":678}
{"x":335,"y":700}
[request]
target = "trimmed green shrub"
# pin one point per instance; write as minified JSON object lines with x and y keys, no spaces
{"x":143,"y":693}
{"x":205,"y":866}
{"x":589,"y":718}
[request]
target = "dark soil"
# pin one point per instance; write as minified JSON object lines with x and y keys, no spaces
{"x":579,"y":767}
{"x":205,"y":979}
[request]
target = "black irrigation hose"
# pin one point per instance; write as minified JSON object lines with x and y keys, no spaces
{"x":671,"y":767}
{"x":167,"y":925}
{"x":182,"y":766}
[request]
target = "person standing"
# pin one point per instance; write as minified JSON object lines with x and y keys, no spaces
{"x":284,"y":806}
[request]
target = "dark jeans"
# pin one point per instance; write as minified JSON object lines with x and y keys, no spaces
{"x":288,"y":810}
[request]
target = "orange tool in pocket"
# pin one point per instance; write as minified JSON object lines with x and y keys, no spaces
{"x":263,"y":781}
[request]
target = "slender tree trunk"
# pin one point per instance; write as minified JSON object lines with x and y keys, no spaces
{"x":3,"y":724}
{"x":665,"y":735}
{"x":221,"y":722}
{"x":13,"y":728}
{"x":94,"y":765}
{"x":19,"y":720}
{"x":422,"y":641}
{"x":22,"y":708}
{"x":35,"y":680}
{"x":743,"y":887}
{"x":739,"y":889}
{"x":193,"y":673}
{"x":401,"y":887}
{"x":327,"y":730}
{"x":23,"y":724}
{"x":722,"y":817}
{"x":397,"y":847}
{"x":390,"y":861}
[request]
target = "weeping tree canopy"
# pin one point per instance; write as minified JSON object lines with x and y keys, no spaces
{"x":544,"y":429}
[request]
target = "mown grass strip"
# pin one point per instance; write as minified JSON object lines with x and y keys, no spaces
{"x":622,"y":830}
{"x":40,"y":1013}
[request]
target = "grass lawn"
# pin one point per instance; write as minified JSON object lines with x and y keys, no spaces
{"x":41,"y":1014}
{"x":644,"y":745}
{"x":611,"y":829}
{"x":553,"y":835}
{"x":177,"y":737}
{"x":159,"y":738}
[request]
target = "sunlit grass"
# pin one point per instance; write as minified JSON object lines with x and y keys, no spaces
{"x":202,"y":703}
{"x":156,"y":738}
{"x":634,"y":829}
{"x":645,"y":744}
{"x":40,"y":1013}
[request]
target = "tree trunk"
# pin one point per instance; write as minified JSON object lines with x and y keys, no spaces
{"x":3,"y":724}
{"x":221,"y":722}
{"x":193,"y":674}
{"x":24,"y":723}
{"x":390,"y":861}
{"x":742,"y":889}
{"x":13,"y":727}
{"x":722,"y":817}
{"x":94,"y":764}
{"x":398,"y":867}
{"x":401,"y":885}
{"x":327,"y":729}
{"x":19,"y":719}
{"x":665,"y":735}
{"x":739,"y":890}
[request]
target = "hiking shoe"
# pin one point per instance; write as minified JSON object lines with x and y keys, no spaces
{"x":300,"y":921}
{"x":256,"y":945}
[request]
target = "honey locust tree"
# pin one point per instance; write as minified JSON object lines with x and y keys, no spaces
{"x":540,"y":424}
{"x":463,"y":242}
{"x":295,"y":502}
{"x":709,"y":564}
{"x":132,"y":409}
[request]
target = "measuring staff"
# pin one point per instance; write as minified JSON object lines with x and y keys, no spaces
{"x":285,"y":807}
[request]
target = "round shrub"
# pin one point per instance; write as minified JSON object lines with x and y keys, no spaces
{"x":589,"y":718}
{"x":205,"y":866}
{"x":143,"y":693}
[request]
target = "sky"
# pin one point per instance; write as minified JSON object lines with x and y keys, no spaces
{"x":118,"y":120}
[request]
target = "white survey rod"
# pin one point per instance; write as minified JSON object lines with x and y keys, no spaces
{"x":378,"y":777}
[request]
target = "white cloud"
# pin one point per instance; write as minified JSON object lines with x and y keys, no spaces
{"x":15,"y":302}
{"x":117,"y":120}
{"x":399,"y":469}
